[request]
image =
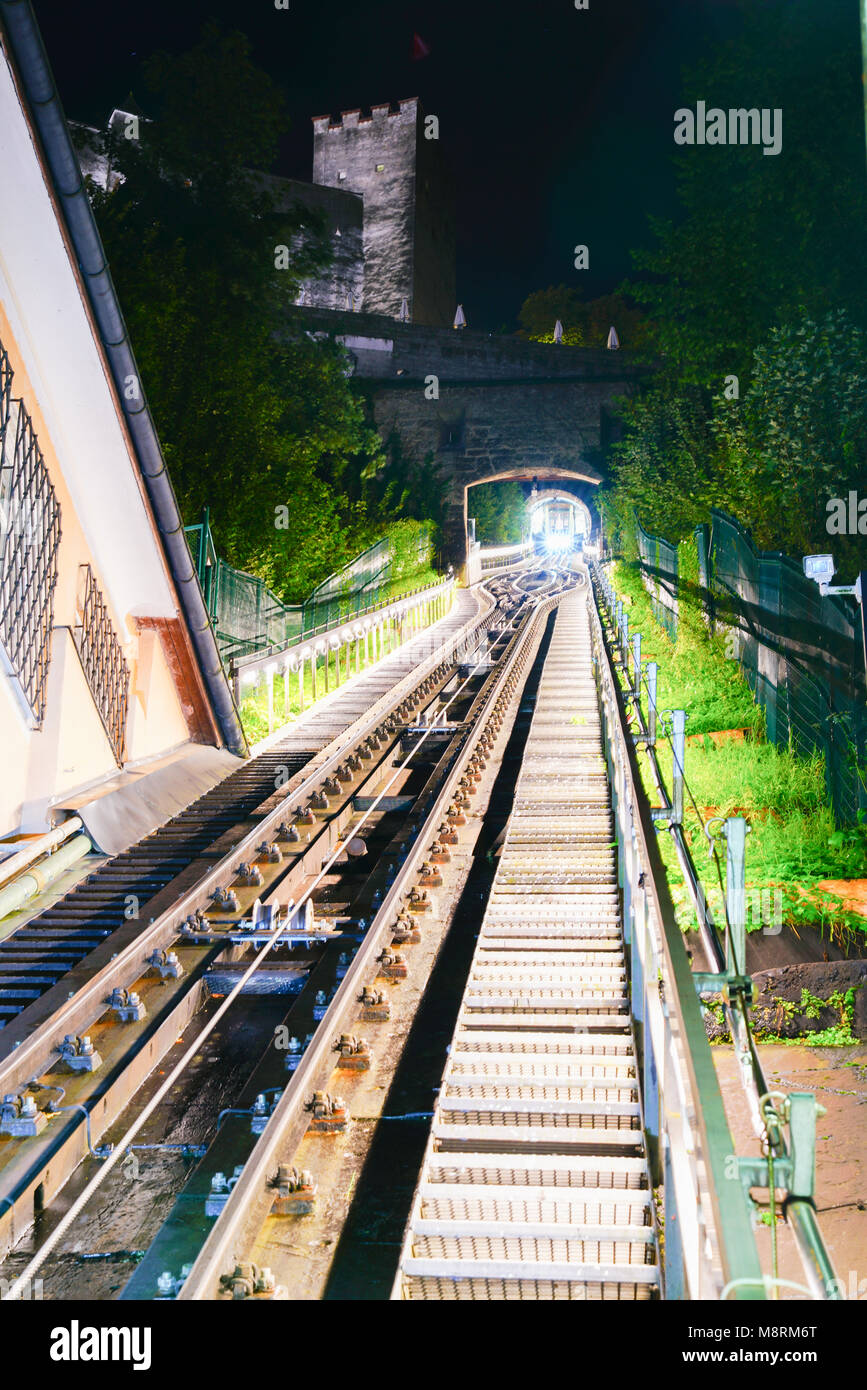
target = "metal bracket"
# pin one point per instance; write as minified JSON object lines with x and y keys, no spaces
{"x":728,"y":984}
{"x":796,"y":1171}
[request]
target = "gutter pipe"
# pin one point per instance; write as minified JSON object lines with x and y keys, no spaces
{"x":61,"y":161}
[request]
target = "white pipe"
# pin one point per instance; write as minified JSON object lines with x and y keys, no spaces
{"x":12,"y":866}
{"x":31,"y":883}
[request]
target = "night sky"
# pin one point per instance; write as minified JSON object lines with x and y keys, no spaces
{"x":556,"y":123}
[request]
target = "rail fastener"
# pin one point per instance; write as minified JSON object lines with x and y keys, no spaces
{"x":294,"y":1191}
{"x":249,"y":1281}
{"x":328,"y":1114}
{"x":166,"y":964}
{"x":392,"y":965}
{"x":127,"y":1006}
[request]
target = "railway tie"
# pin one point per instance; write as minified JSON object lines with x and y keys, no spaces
{"x":535,"y":1178}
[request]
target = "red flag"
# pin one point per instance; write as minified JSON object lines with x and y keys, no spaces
{"x":419,"y":48}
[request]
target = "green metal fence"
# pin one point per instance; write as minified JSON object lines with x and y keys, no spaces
{"x":800,"y":652}
{"x":659,"y":571}
{"x":363,"y":583}
{"x":248,"y":617}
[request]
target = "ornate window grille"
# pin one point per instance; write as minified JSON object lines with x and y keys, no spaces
{"x":102,"y":660}
{"x":29,"y":541}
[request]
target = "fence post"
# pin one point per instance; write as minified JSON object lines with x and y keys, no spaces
{"x":636,"y":665}
{"x":678,"y":744}
{"x":314,"y":671}
{"x":286,"y":710}
{"x":301,"y":683}
{"x":652,"y":670}
{"x":735,"y":830}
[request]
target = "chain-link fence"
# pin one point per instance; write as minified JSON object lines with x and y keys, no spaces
{"x":801,"y":652}
{"x":659,"y":572}
{"x":248,"y":617}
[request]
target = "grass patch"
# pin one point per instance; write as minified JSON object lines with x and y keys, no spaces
{"x":254,"y":706}
{"x":793,"y":841}
{"x":693,"y":674}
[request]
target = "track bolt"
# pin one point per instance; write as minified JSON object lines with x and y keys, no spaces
{"x":247,"y":1280}
{"x":419,"y":901}
{"x":374,"y":1008}
{"x":331,"y":786}
{"x":354,"y":1052}
{"x":328,"y":1113}
{"x":249,"y":874}
{"x":392,"y":965}
{"x":225,"y":900}
{"x":166,"y":963}
{"x":269,"y":852}
{"x":127,"y":1006}
{"x":195,"y":923}
{"x":288,"y":832}
{"x":431,"y":878}
{"x":405,"y":931}
{"x":344,"y":773}
{"x":295,"y":1191}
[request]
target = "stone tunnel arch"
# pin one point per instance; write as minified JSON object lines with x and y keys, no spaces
{"x":579,"y":483}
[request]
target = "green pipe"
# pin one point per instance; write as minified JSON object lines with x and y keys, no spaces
{"x":31,"y":883}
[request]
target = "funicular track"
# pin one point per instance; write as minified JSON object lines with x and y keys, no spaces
{"x":578,"y":1112}
{"x":535,"y":1184}
{"x":38,"y":954}
{"x":204,"y":899}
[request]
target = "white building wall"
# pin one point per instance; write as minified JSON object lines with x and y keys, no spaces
{"x":105,"y":521}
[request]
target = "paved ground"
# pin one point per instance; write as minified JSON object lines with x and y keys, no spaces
{"x":838,"y":1076}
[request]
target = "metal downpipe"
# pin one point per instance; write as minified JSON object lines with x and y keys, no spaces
{"x":26,"y":47}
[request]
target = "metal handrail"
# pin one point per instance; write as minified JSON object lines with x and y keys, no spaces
{"x":816,"y":1260}
{"x":677,"y":1062}
{"x":263,"y":657}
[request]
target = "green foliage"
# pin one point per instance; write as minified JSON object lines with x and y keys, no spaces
{"x":763,"y":278}
{"x":793,"y":842}
{"x":798,"y":436}
{"x":763,"y":238}
{"x":694,"y":675}
{"x":584,"y":324}
{"x":500,"y":512}
{"x":665,"y":468}
{"x":252,"y":420}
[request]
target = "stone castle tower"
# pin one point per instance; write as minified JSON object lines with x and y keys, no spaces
{"x":389,"y":159}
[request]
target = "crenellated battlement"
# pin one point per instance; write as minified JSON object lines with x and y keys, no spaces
{"x":406,"y":109}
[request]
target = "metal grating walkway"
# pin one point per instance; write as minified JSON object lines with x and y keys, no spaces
{"x":535,"y":1181}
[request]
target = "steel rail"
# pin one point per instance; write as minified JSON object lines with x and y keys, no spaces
{"x":339,"y":632}
{"x":22,"y":1283}
{"x":242,"y":1216}
{"x":816,"y":1261}
{"x":31,"y":1056}
{"x":732,"y":1230}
